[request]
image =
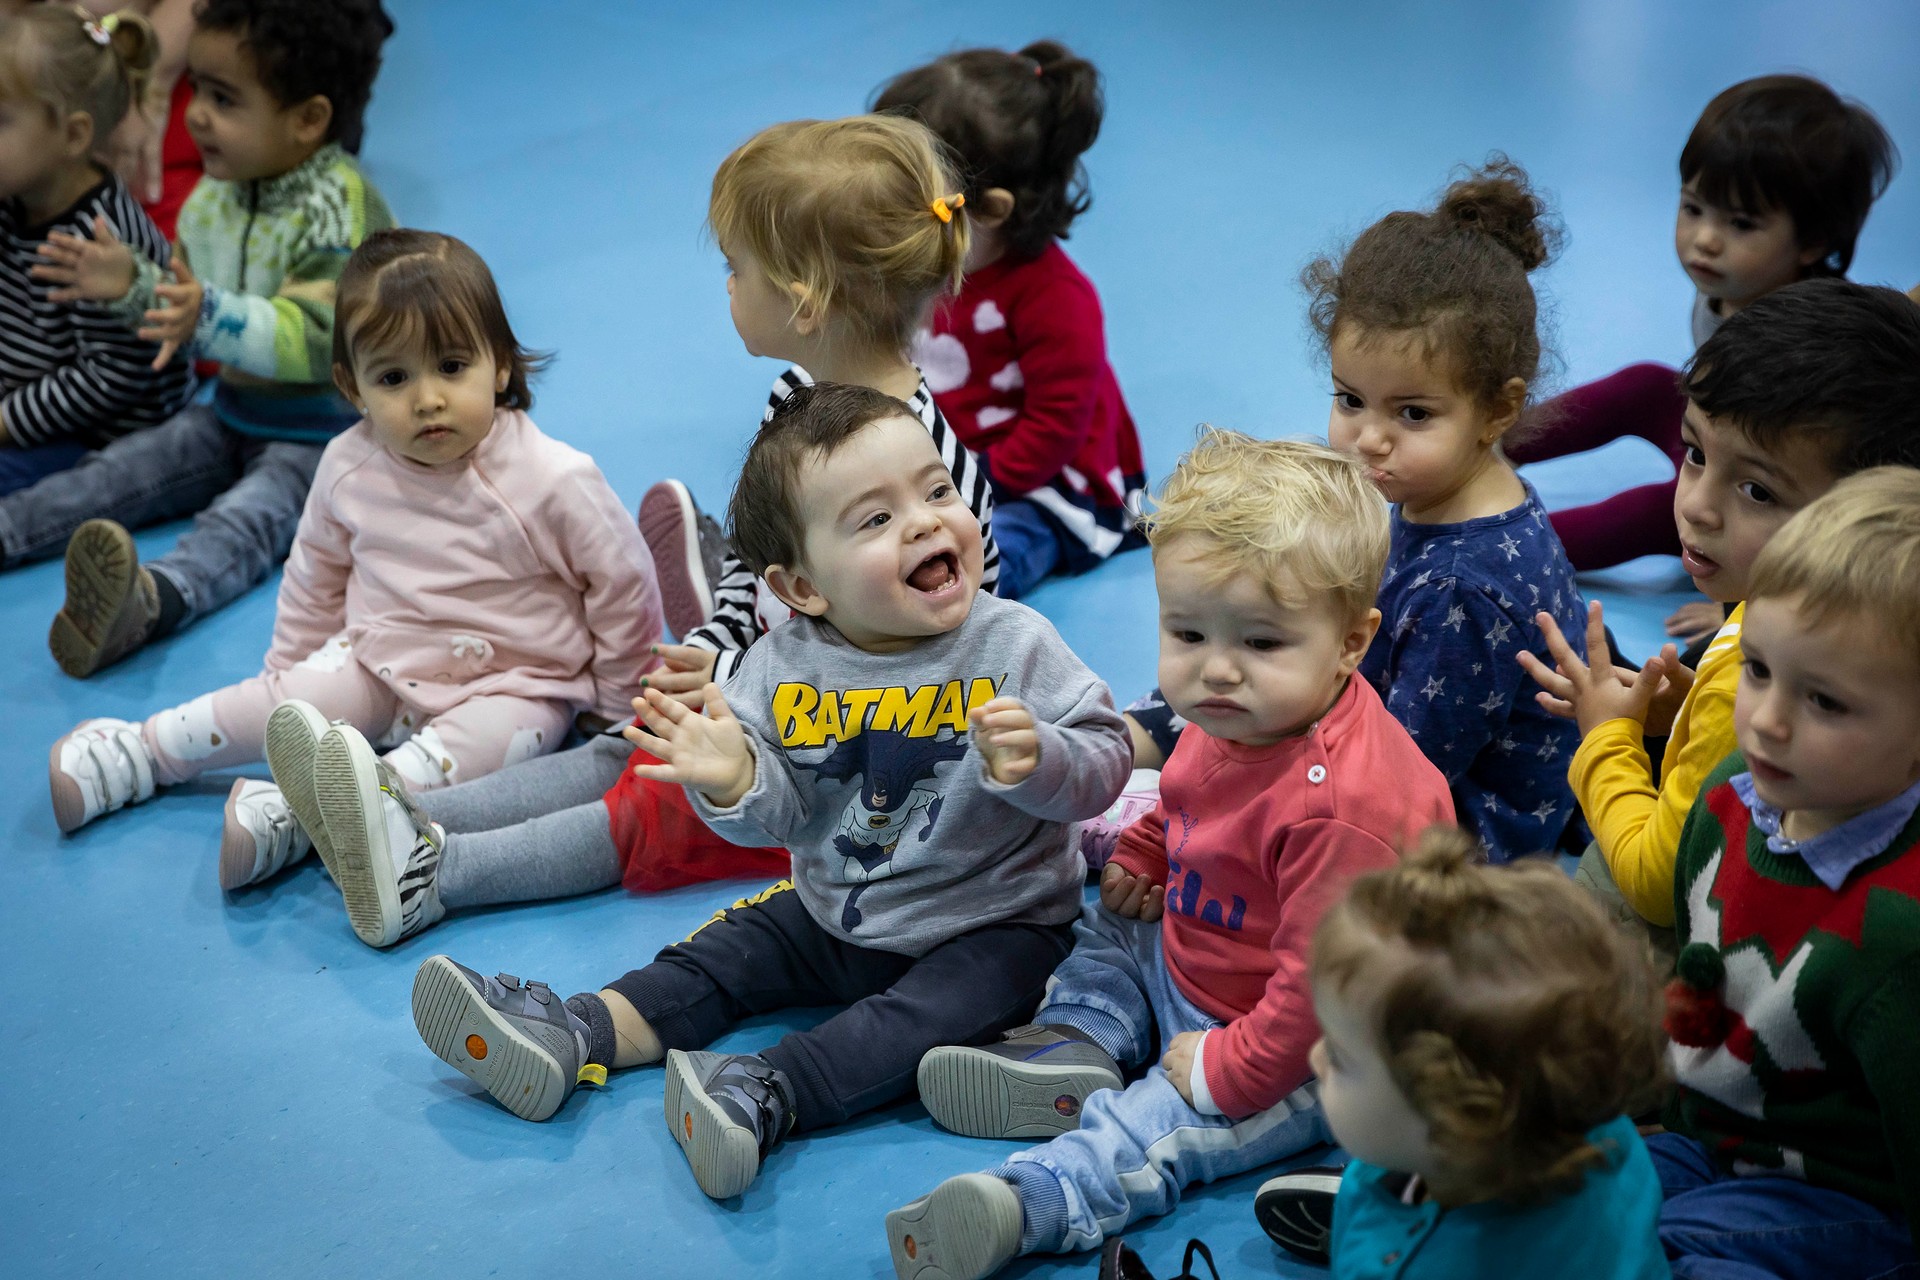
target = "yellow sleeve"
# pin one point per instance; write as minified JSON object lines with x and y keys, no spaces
{"x":1636,"y":824}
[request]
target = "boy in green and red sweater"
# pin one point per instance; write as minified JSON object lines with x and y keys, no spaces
{"x":1794,"y":1135}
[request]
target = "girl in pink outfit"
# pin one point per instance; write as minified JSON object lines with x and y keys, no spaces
{"x":460,"y":586}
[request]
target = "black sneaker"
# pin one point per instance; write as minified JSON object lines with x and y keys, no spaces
{"x":726,"y":1111}
{"x":1118,"y":1261}
{"x":1296,"y":1211}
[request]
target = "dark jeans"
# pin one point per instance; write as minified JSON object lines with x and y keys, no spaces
{"x":766,"y":953}
{"x":22,"y":467}
{"x":1029,"y":547}
{"x":249,"y":494}
{"x":1715,"y":1226}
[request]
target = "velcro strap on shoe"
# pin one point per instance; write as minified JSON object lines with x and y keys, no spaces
{"x":591,"y":1073}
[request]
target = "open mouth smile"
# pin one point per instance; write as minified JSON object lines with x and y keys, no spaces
{"x":936,"y":575}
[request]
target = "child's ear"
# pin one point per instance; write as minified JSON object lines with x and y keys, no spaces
{"x":343,"y":379}
{"x":992,"y":209}
{"x":1811,"y":254}
{"x":1506,"y":409}
{"x":312,"y":119}
{"x":1359,"y":637}
{"x":77,"y":138}
{"x":807,"y":316}
{"x":796,"y":590}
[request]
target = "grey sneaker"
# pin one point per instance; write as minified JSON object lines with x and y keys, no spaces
{"x":1296,"y":1211}
{"x":293,"y":740}
{"x":689,"y":550}
{"x":517,"y":1040}
{"x":1030,"y":1085}
{"x":726,"y":1111}
{"x":968,"y":1228}
{"x":385,"y":852}
{"x":111,"y":603}
{"x":260,"y":837}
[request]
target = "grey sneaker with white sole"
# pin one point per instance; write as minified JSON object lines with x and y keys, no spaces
{"x":1032,"y":1084}
{"x":726,"y":1111}
{"x":968,"y":1228}
{"x":517,"y":1040}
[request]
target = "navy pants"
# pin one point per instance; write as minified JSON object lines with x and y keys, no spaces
{"x":1715,"y":1226}
{"x":765,"y":953}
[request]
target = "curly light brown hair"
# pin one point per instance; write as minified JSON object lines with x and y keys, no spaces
{"x":1511,"y":1013}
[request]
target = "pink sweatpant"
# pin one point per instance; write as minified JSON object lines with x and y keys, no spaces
{"x":229,"y":726}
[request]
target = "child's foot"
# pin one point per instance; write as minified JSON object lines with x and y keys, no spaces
{"x":111,"y":601}
{"x":293,"y":741}
{"x":517,"y":1040}
{"x":968,"y":1228}
{"x":688,"y":551}
{"x":261,"y":837}
{"x":1097,"y":838}
{"x":99,"y":766}
{"x":1296,"y":1211}
{"x":385,"y":852}
{"x":1030,"y":1085}
{"x":726,"y":1111}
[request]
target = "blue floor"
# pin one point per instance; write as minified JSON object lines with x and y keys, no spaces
{"x":200,"y":1085}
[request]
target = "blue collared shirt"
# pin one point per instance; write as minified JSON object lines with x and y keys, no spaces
{"x":1833,"y":854}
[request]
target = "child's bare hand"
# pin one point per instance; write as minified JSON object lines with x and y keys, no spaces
{"x":96,"y":270}
{"x":1590,"y":692}
{"x":172,"y":323}
{"x":1177,"y":1062}
{"x":1136,"y":897}
{"x":1003,"y":730}
{"x":684,"y":673}
{"x":706,"y":752}
{"x":1676,"y":681}
{"x":1694,"y":619}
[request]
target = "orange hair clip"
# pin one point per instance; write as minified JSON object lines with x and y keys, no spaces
{"x":943,"y":208}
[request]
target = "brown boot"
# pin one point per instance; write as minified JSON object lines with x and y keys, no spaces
{"x":111,"y":601}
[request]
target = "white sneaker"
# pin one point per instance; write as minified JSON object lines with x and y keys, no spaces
{"x":101,"y":765}
{"x":261,"y":836}
{"x":385,"y":852}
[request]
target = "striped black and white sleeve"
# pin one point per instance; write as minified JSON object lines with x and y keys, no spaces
{"x":737,"y":619}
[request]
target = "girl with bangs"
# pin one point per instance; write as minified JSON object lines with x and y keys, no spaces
{"x":461,"y":584}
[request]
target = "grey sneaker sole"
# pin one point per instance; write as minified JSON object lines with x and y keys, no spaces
{"x":977,"y":1094}
{"x":346,"y":781}
{"x":106,"y":615}
{"x":669,"y":522}
{"x":468,"y":1035}
{"x":293,"y":741}
{"x":724,"y":1155}
{"x":968,"y":1228}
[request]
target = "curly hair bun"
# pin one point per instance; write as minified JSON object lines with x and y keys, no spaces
{"x":1498,"y":200}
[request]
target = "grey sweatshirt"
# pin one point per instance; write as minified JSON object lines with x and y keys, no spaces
{"x":865,"y":770}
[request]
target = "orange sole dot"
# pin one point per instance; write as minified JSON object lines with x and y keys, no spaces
{"x":476,"y":1048}
{"x":686,"y":1125}
{"x":913,"y":1247}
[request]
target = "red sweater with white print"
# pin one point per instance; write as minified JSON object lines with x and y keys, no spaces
{"x":1018,"y":364}
{"x":1254,"y":844}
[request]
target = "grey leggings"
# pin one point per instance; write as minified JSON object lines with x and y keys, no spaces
{"x":533,"y":831}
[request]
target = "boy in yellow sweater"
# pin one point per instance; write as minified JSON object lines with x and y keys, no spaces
{"x":1806,"y":386}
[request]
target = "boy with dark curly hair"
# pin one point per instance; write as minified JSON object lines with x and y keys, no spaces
{"x":280,"y":86}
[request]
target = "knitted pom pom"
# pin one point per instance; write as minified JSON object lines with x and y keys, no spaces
{"x":1700,"y":966}
{"x":1697,"y":1019}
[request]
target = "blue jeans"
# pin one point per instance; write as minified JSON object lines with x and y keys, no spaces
{"x":1136,"y":1148}
{"x":249,"y":494}
{"x":22,"y":467}
{"x":1029,"y":547}
{"x":1715,"y":1226}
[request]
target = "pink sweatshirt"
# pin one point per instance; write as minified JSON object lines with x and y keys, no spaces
{"x":1254,"y":844}
{"x":512,"y":571}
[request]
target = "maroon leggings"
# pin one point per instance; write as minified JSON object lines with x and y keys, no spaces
{"x":1640,"y":400}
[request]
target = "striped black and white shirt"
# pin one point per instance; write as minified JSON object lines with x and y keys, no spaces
{"x":70,"y":371}
{"x":744,"y":609}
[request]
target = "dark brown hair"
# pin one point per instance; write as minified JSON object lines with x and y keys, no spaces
{"x":1791,"y":143}
{"x":1512,"y":1014}
{"x":302,"y":49}
{"x":1016,"y":120}
{"x":1455,"y":277}
{"x":427,"y":291}
{"x":763,"y":519}
{"x":1828,"y":360}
